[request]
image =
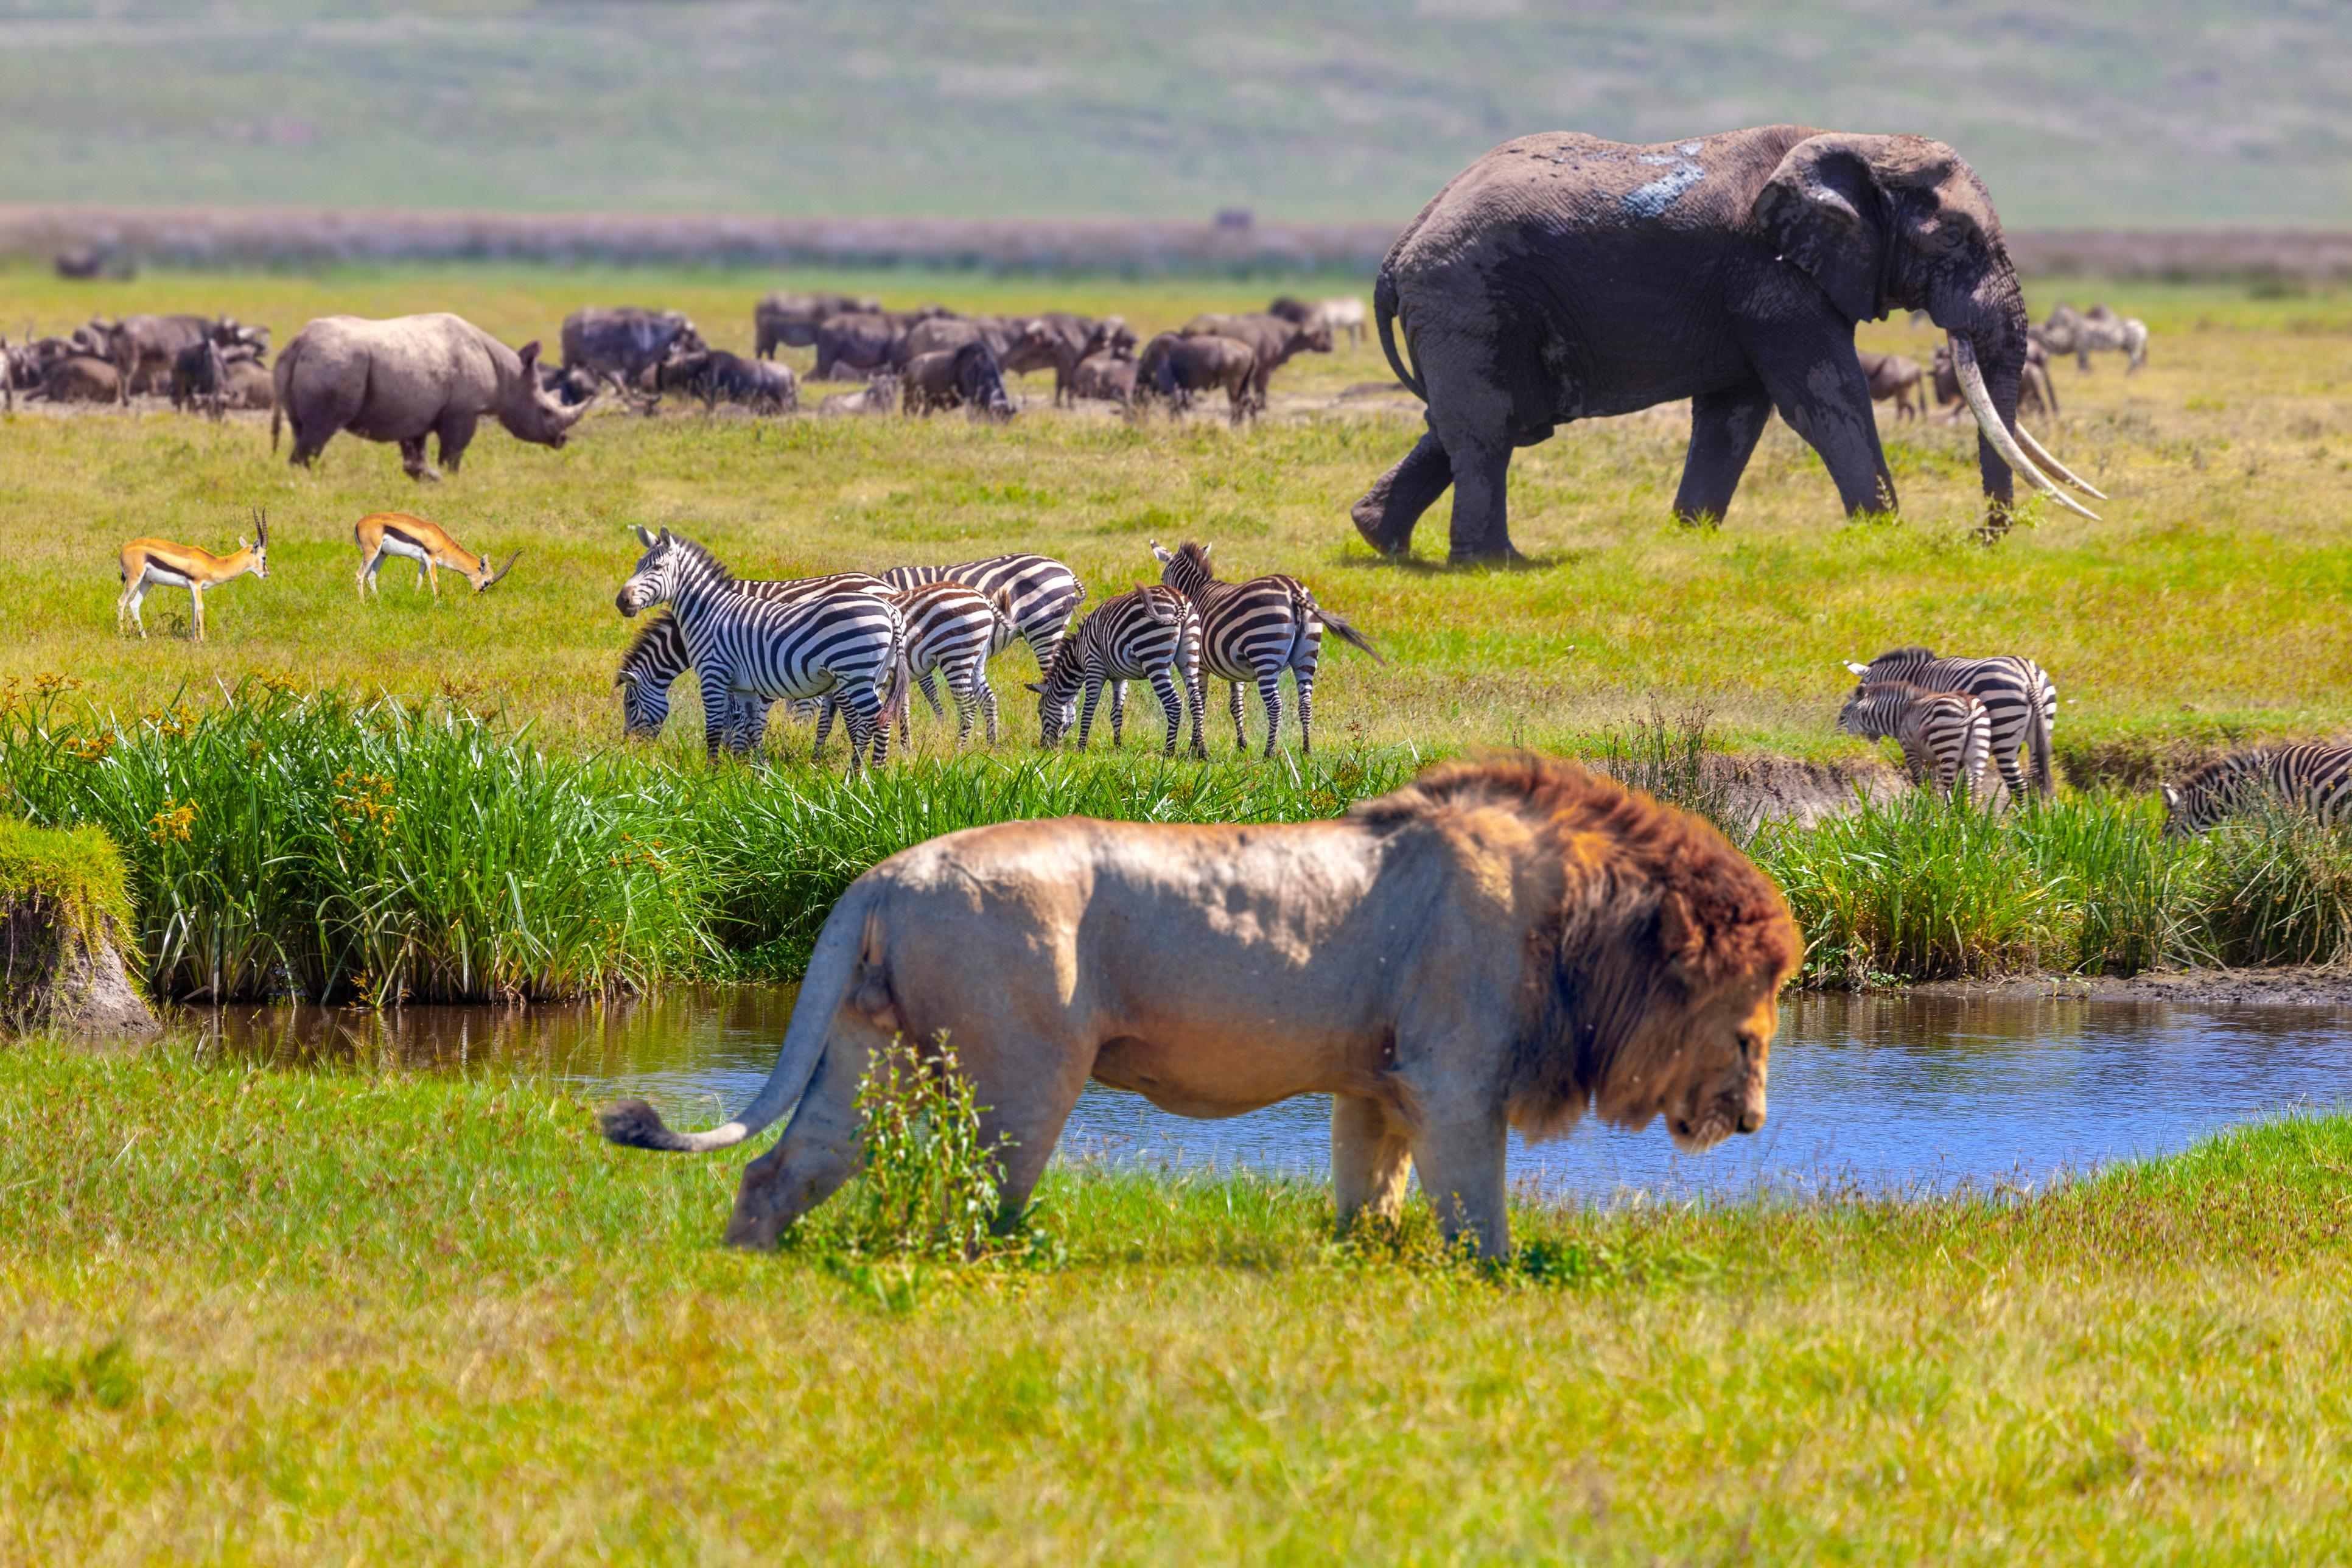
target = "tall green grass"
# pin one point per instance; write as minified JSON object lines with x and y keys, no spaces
{"x":282,"y":844}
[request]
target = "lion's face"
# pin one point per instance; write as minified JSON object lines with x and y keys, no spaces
{"x":1701,"y":1067}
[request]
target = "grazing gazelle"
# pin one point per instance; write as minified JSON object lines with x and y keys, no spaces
{"x":383,"y":534}
{"x":147,"y":562}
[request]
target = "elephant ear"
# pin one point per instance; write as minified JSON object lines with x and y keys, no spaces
{"x":1825,"y":210}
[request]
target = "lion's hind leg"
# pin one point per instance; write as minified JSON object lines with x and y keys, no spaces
{"x":818,"y":1150}
{"x":1371,"y":1160}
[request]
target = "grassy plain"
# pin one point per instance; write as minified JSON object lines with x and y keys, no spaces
{"x":2208,"y":605}
{"x":250,"y":1315}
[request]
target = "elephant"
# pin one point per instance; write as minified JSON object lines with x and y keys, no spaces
{"x":1561,"y":276}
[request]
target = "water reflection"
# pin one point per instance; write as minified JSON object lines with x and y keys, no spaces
{"x":1885,"y":1092}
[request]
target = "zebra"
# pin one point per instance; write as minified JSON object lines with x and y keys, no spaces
{"x":850,"y":644}
{"x":1143,"y":633}
{"x":1254,"y":631}
{"x":2017,"y":693}
{"x":2313,"y":777}
{"x":657,"y":656}
{"x":1945,"y":735}
{"x":952,"y":629}
{"x":1045,"y":594}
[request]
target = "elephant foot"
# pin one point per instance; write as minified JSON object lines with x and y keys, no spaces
{"x":1370,"y":516}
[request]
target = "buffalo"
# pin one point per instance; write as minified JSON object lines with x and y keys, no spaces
{"x":966,"y":377}
{"x":716,"y":376}
{"x":791,"y":319}
{"x":1271,"y":338}
{"x":405,"y":379}
{"x":1057,"y":341}
{"x":1172,"y":368}
{"x":1106,"y":376}
{"x":624,"y":344}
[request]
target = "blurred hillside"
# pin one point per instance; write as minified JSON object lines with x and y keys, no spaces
{"x":2104,"y":112}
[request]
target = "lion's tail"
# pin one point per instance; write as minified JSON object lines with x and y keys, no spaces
{"x":839,"y":955}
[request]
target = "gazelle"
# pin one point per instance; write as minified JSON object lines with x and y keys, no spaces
{"x":383,"y":534}
{"x":147,"y":562}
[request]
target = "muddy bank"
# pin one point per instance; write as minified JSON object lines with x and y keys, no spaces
{"x":2297,"y":987}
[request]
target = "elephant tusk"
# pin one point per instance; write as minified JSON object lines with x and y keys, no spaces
{"x":1989,"y":421}
{"x":2053,"y":467}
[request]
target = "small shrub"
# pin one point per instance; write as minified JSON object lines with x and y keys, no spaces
{"x":927,"y":1184}
{"x":2278,"y":890}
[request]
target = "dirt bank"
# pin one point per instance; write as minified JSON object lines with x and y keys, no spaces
{"x":2203,"y":987}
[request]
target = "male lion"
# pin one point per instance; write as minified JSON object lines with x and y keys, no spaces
{"x":1493,"y":946}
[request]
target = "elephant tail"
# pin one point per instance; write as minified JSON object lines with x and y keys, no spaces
{"x":1384,"y":310}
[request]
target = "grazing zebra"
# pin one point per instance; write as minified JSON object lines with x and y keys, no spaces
{"x":1945,"y":735}
{"x":657,"y":656}
{"x":2017,"y":692}
{"x":850,"y":644}
{"x":1255,"y":631}
{"x":1045,"y":594}
{"x":1144,"y":634}
{"x":952,"y":629}
{"x":2316,"y":778}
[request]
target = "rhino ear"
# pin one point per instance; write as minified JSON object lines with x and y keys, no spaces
{"x":528,"y":353}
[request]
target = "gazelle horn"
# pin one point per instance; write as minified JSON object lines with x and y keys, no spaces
{"x":1989,"y":421}
{"x":504,"y":570}
{"x":2054,"y":468}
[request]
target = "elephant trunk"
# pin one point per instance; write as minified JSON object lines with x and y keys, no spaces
{"x":1989,"y":349}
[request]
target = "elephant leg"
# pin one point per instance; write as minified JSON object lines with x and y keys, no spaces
{"x":1370,"y":1159}
{"x":1386,"y":515}
{"x":412,"y":460}
{"x":1826,"y":401}
{"x":1482,"y":467}
{"x":1725,"y":426}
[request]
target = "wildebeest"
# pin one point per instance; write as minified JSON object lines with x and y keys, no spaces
{"x":1892,"y":375}
{"x":81,"y":378}
{"x":198,"y":376}
{"x":1343,"y":313}
{"x":1173,"y":367}
{"x":878,"y":395}
{"x":2035,"y":391}
{"x":1058,"y":341}
{"x":968,"y":376}
{"x":1270,"y":338}
{"x":792,"y":320}
{"x":943,"y":332}
{"x":625,"y":343}
{"x":860,"y":344}
{"x":245,"y":383}
{"x":145,"y":348}
{"x":405,"y":379}
{"x":2078,"y":332}
{"x":1108,"y":376}
{"x":717,"y":376}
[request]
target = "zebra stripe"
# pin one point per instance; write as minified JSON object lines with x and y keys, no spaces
{"x":1149,"y":633}
{"x":1254,"y":630}
{"x":657,"y":656}
{"x":1945,"y":735}
{"x":952,"y":629}
{"x":846,"y":643}
{"x":2314,"y":777}
{"x":1045,"y":594}
{"x":2017,"y":693}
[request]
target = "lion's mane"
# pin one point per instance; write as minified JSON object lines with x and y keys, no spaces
{"x":1653,"y":912}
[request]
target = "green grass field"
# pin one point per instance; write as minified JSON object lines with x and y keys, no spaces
{"x":2208,"y":605}
{"x":263,"y":1316}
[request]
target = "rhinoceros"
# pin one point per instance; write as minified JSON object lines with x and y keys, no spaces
{"x":407,"y":378}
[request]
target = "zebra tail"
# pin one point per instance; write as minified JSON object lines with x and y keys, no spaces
{"x":837,"y":963}
{"x":1346,"y":633}
{"x":2037,"y":743}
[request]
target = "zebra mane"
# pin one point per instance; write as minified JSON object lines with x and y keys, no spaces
{"x":1913,"y":652}
{"x":656,"y":625}
{"x":706,"y":565}
{"x":1197,"y":557}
